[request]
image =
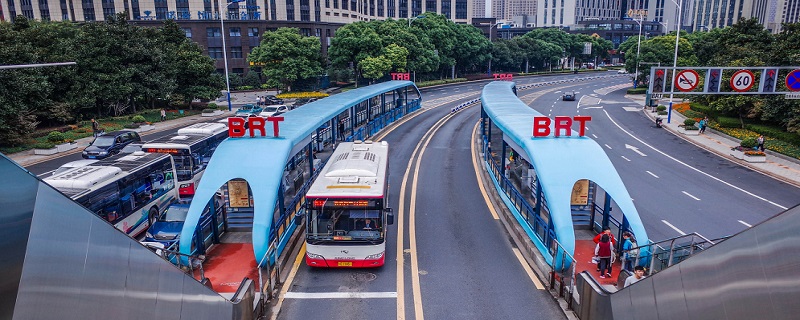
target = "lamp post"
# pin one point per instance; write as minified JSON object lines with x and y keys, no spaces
{"x":491,"y":25}
{"x":674,"y":59}
{"x":409,"y":26}
{"x":638,"y":47}
{"x":225,"y":51}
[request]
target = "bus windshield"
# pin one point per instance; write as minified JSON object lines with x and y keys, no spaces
{"x":349,"y":225}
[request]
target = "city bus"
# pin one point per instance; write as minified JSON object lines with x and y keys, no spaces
{"x":128,"y":191}
{"x":347,"y":210}
{"x":191,"y":148}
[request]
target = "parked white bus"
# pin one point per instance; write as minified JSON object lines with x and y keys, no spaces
{"x":128,"y":191}
{"x":191,"y":147}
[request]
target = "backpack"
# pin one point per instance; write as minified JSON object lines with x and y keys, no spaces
{"x":635,"y":250}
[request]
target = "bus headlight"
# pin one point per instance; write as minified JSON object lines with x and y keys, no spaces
{"x":374,"y":256}
{"x":314,"y":256}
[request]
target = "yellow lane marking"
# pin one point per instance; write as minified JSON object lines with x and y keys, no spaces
{"x":478,"y":174}
{"x":528,"y":269}
{"x":288,"y":283}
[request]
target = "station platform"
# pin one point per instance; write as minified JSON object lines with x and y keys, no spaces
{"x":584,"y":251}
{"x":227,"y":263}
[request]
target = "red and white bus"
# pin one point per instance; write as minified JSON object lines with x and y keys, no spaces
{"x":347,"y":210}
{"x":191,"y":148}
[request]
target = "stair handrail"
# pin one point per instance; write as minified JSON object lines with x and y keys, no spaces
{"x":648,"y":253}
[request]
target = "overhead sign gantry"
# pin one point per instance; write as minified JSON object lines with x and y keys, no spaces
{"x":725,"y":80}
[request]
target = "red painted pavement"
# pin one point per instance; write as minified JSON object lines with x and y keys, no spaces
{"x":584,"y":251}
{"x":228,"y":263}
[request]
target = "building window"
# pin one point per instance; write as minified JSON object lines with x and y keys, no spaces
{"x":161,"y":9}
{"x":289,"y":10}
{"x":188,"y":32}
{"x":215,"y":52}
{"x":238,"y":71}
{"x":236,"y":52}
{"x":235,"y":32}
{"x":252,"y":32}
{"x":446,"y":8}
{"x":305,"y":11}
{"x":88,"y":10}
{"x":213,"y":33}
{"x":461,"y":9}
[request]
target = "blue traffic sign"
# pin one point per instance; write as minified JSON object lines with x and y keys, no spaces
{"x":793,"y":80}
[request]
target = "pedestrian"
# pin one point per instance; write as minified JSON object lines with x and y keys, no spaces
{"x":606,"y":231}
{"x":703,"y":124}
{"x":95,"y":128}
{"x":341,"y":130}
{"x":638,"y":275}
{"x":605,"y":252}
{"x":628,"y":255}
{"x":163,"y":115}
{"x":760,"y":142}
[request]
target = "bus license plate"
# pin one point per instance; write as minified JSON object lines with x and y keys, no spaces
{"x":346,"y":264}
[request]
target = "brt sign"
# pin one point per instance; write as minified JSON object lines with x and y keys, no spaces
{"x":238,"y":126}
{"x":541,"y":125}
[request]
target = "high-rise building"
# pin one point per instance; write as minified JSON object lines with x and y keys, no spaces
{"x":562,"y":13}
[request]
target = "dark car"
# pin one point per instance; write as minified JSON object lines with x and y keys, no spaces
{"x":270,"y":100}
{"x":568,"y":96}
{"x":110,"y":144}
{"x":302,"y":101}
{"x":167,"y":229}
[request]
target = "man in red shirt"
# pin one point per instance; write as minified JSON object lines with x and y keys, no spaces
{"x":608,"y":232}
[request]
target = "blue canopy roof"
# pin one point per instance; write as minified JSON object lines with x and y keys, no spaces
{"x":261,"y":160}
{"x":559,"y":162}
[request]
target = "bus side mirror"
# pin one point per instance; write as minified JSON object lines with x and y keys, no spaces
{"x":298,"y":219}
{"x":389,"y":216}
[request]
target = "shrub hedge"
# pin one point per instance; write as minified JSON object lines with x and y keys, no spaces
{"x":661,"y":108}
{"x":728,"y":122}
{"x":55,"y":137}
{"x":662,"y":113}
{"x":706,"y":110}
{"x":693,"y":114}
{"x":689,"y":122}
{"x":775,"y":133}
{"x":748,"y":142}
{"x":641,"y":90}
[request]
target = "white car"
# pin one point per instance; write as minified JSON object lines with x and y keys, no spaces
{"x":622,"y":71}
{"x":274,"y":110}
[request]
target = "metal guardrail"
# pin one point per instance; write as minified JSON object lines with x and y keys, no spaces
{"x":657,"y":256}
{"x":562,"y":274}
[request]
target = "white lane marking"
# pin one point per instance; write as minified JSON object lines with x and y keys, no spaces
{"x":652,"y":174}
{"x":693,"y":168}
{"x":690,"y":195}
{"x":339,"y":295}
{"x":623,"y":157}
{"x":635,"y":149}
{"x":745,"y":223}
{"x":607,"y":146}
{"x":600,"y":107}
{"x":594,"y":136}
{"x":673,"y":227}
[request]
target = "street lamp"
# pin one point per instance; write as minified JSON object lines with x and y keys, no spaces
{"x":491,"y":25}
{"x":638,"y":47}
{"x":674,"y":58}
{"x":225,"y":50}
{"x":415,"y":18}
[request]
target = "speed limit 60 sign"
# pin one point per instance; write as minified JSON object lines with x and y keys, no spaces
{"x":742,"y":80}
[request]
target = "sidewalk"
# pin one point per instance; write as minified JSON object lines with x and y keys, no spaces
{"x":778,"y":166}
{"x":27,"y":158}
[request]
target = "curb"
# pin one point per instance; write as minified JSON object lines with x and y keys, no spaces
{"x":728,"y":157}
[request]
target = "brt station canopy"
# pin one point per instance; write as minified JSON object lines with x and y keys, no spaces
{"x":261,"y":160}
{"x":558,"y":162}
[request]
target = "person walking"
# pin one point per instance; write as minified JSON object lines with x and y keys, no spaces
{"x":163,"y":115}
{"x":605,"y":252}
{"x":760,"y":142}
{"x":703,"y":124}
{"x":606,"y":232}
{"x":341,"y":130}
{"x":95,"y":128}
{"x":628,"y":256}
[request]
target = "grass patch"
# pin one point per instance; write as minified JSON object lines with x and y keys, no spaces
{"x":640,"y":90}
{"x":423,"y":84}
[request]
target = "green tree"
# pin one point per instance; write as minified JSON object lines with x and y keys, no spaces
{"x":375,"y":67}
{"x":354,"y":42}
{"x":287,"y":57}
{"x":397,"y":56}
